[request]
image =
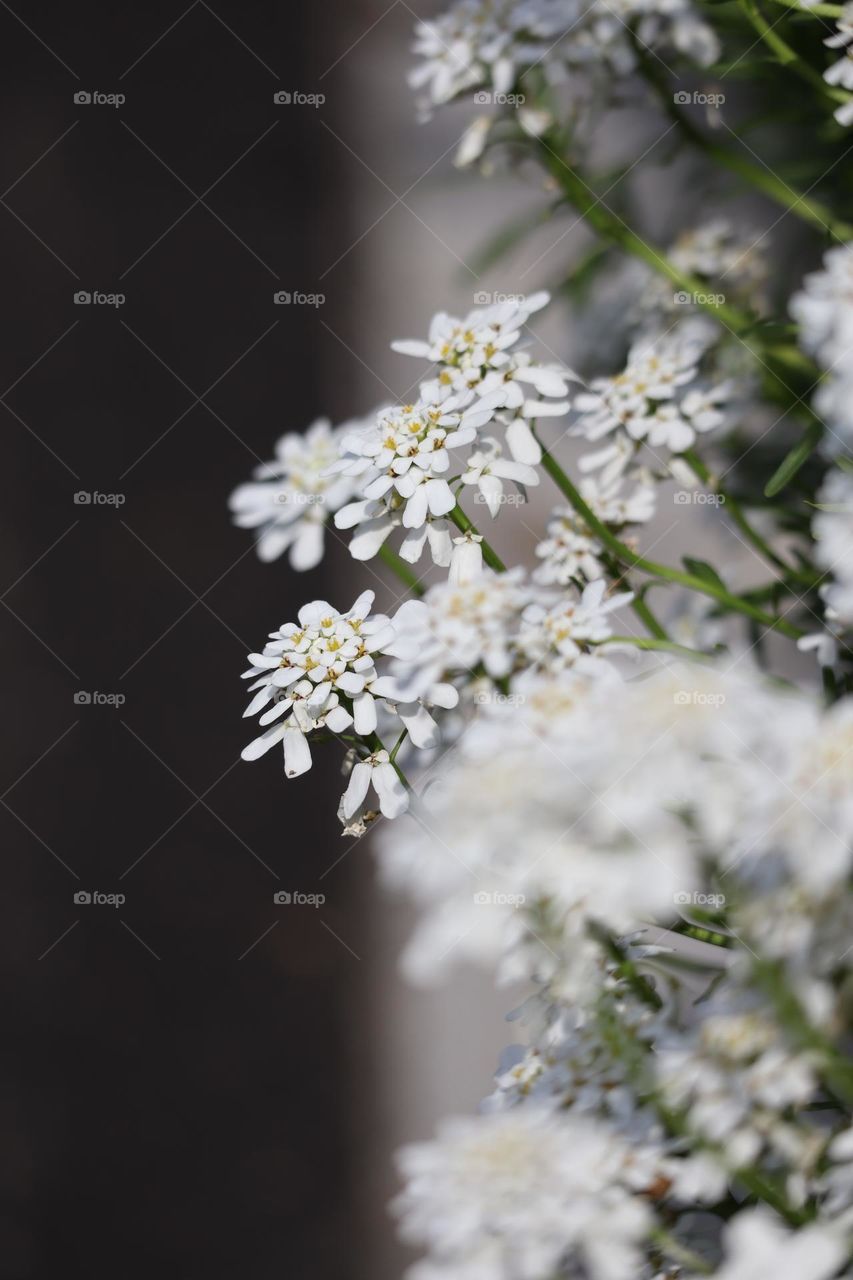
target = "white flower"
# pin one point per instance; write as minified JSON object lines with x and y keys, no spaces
{"x":457,"y":627}
{"x":466,"y":562}
{"x":314,"y":674}
{"x":378,"y":772}
{"x":646,"y":399}
{"x":476,"y":356}
{"x":824,"y":311}
{"x":557,"y":636}
{"x":534,"y":1187}
{"x":487,"y":470}
{"x":292,"y":498}
{"x":841,"y":72}
{"x":400,"y":467}
{"x":832,"y":527}
{"x":571,"y":550}
{"x":759,"y":1245}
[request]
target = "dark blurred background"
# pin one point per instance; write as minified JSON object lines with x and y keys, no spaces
{"x":176,"y":1069}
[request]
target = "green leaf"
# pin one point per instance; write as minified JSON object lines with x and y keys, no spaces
{"x":701,"y":569}
{"x":790,"y":465}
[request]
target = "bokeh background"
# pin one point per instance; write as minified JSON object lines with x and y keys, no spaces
{"x":199,"y":1082}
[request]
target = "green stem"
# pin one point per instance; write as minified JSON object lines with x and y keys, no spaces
{"x":648,"y":619}
{"x":764,"y":180}
{"x":632,"y":561}
{"x":404,"y":572}
{"x":678,"y":1252}
{"x":464,"y":525}
{"x":618,"y":232}
{"x":392,"y":755}
{"x":787,"y":56}
{"x":376,"y":744}
{"x":837,"y":1070}
{"x":653,"y":642}
{"x":626,"y":968}
{"x":735,"y":511}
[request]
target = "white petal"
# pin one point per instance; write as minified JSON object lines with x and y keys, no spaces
{"x":359,"y":781}
{"x":416,"y":508}
{"x":364,"y":714}
{"x":261,"y":745}
{"x":393,"y":796}
{"x":522,"y":444}
{"x":297,"y":753}
{"x":423,"y":730}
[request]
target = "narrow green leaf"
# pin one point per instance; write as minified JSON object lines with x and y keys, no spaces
{"x":798,"y":456}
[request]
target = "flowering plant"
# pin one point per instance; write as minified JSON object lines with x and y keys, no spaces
{"x":623,"y":781}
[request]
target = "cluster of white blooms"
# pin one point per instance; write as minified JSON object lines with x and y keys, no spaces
{"x":660,"y":398}
{"x":730,"y":261}
{"x":291,"y":499}
{"x":832,"y":527}
{"x":566,"y":833}
{"x":824,"y":311}
{"x":660,"y":849}
{"x":571,"y":551}
{"x":320,"y":673}
{"x":840,"y":74}
{"x":485,"y":48}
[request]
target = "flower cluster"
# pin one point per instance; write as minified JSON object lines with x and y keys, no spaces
{"x":658,"y":398}
{"x":824,"y":311}
{"x":291,"y":499}
{"x":649,"y":821}
{"x":565,"y":842}
{"x":490,"y":46}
